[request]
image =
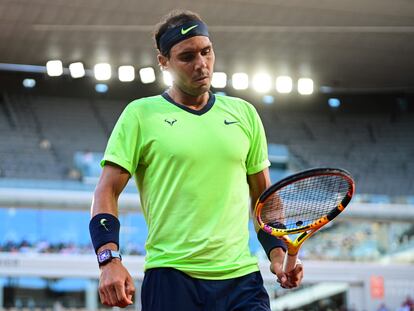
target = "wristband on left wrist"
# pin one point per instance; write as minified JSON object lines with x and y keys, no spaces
{"x":269,"y":242}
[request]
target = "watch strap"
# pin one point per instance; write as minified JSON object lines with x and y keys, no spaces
{"x":107,"y":255}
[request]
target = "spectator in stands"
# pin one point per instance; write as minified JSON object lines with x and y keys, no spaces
{"x":408,"y":304}
{"x":74,"y":174}
{"x":46,"y":247}
{"x":195,"y":157}
{"x":87,"y":161}
{"x":383,"y":307}
{"x":403,"y":308}
{"x":25,"y":247}
{"x":45,"y":144}
{"x":10,"y":247}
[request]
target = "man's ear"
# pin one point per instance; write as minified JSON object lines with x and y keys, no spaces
{"x":162,"y":61}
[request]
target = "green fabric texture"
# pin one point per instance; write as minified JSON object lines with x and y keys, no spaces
{"x":191,"y":174}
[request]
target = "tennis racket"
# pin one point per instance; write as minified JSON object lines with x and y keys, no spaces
{"x":302,"y":204}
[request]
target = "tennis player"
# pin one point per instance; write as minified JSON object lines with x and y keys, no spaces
{"x":195,"y":157}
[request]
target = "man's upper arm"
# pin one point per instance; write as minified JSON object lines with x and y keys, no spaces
{"x":115,"y":176}
{"x":125,"y":144}
{"x":258,"y":183}
{"x":112,"y":181}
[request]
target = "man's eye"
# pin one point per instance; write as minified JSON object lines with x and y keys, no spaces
{"x":186,"y":58}
{"x":206,"y":51}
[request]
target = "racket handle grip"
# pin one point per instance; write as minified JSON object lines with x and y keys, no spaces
{"x":290,"y":262}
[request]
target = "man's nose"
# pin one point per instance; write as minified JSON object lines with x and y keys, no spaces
{"x":200,"y":61}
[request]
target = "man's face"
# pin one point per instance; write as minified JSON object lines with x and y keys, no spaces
{"x":191,"y":64}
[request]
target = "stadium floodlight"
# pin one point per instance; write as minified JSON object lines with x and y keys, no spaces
{"x":54,"y":68}
{"x":305,"y":86}
{"x":147,"y":75}
{"x":101,"y":88}
{"x":167,"y":78}
{"x":262,"y":82}
{"x":334,"y":102}
{"x":219,"y":80}
{"x":326,"y":89}
{"x":220,"y":93}
{"x":268,"y":99}
{"x":284,"y":84}
{"x":77,"y":70}
{"x":240,"y":81}
{"x":29,"y":83}
{"x":102,"y":71}
{"x":126,"y":73}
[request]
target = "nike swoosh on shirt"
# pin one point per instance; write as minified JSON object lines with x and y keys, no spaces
{"x":184,"y":31}
{"x":230,"y":122}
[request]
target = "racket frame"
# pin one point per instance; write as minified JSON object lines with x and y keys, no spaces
{"x":306,"y":231}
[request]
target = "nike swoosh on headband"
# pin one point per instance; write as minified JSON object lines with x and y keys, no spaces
{"x":185,"y":31}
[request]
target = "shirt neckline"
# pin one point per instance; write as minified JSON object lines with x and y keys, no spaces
{"x":206,"y":108}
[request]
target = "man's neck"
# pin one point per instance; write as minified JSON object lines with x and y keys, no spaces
{"x":193,"y":102}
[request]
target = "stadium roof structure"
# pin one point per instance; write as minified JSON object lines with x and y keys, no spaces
{"x":348,"y":45}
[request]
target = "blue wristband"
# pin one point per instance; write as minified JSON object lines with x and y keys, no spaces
{"x":270,"y":242}
{"x":104,"y":228}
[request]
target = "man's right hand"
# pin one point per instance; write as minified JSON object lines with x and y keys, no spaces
{"x":116,"y":287}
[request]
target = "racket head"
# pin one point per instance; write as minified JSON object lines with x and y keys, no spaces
{"x":304,"y":201}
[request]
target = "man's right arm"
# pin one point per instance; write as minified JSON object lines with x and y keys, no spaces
{"x":116,"y":287}
{"x":110,"y":185}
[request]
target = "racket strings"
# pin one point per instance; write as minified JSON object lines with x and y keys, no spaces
{"x":305,"y":201}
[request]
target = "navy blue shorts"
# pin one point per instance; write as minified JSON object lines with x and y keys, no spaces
{"x":167,"y":289}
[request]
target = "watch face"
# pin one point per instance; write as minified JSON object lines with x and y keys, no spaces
{"x":105,"y":255}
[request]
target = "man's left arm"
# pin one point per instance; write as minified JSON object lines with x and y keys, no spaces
{"x":258,"y":183}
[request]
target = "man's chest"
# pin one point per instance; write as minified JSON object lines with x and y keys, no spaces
{"x":181,"y":136}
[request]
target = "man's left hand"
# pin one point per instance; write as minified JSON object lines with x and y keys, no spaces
{"x":292,"y":279}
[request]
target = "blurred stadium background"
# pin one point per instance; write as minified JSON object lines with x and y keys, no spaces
{"x":345,"y":99}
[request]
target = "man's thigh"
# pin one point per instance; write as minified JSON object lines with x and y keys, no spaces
{"x":249,"y":294}
{"x":165,"y":289}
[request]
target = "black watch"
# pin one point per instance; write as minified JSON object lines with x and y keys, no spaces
{"x":107,"y":255}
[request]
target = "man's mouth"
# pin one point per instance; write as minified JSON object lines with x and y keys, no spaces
{"x":201,"y":78}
